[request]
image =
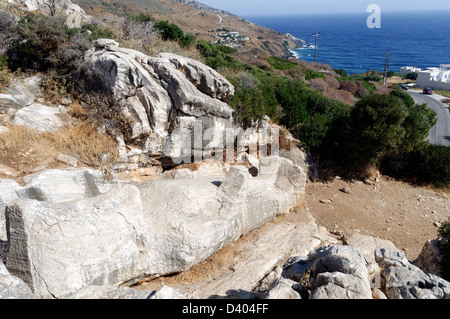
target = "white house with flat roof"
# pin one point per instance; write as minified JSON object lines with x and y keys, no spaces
{"x":435,"y":78}
{"x":409,"y":69}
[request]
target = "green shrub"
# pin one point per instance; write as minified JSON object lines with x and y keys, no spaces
{"x":226,"y":49}
{"x":5,"y":76}
{"x":96,"y":32}
{"x":142,"y":18}
{"x":408,"y":100}
{"x":40,"y":38}
{"x":169,"y":31}
{"x":444,"y":234}
{"x":412,"y":76}
{"x":172,"y":32}
{"x":425,"y":164}
{"x":376,"y":127}
{"x":254,"y":97}
{"x":341,"y":72}
{"x":369,"y":86}
{"x":312,"y":74}
{"x":216,"y":58}
{"x":281,"y":64}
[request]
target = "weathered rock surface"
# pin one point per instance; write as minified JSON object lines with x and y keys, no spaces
{"x":406,"y":281}
{"x":342,"y":272}
{"x":60,"y":248}
{"x":68,"y":229}
{"x":59,"y":185}
{"x":39,"y":117}
{"x":337,"y":271}
{"x":21,"y":93}
{"x":212,"y":212}
{"x":8,"y":194}
{"x":430,"y":257}
{"x":64,"y":6}
{"x":118,"y":292}
{"x":169,"y":100}
{"x":257,"y":269}
{"x":12,"y":287}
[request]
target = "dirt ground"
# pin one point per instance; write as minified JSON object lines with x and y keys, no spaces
{"x":406,"y":215}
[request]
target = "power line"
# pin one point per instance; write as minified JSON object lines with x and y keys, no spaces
{"x":315,"y":46}
{"x":386,"y":67}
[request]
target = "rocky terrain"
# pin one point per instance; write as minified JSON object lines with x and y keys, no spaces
{"x":201,"y":21}
{"x":247,"y":220}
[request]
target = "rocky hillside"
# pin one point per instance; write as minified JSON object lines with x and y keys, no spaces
{"x":202,"y":6}
{"x":202,"y":21}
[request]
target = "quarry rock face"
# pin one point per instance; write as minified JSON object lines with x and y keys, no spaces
{"x":63,"y":243}
{"x":76,"y":233}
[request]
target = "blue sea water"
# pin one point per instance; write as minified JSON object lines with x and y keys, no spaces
{"x":419,"y":39}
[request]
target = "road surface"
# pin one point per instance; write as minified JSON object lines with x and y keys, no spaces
{"x":440,"y":133}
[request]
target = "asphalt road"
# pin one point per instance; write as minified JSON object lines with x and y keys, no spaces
{"x":440,"y":133}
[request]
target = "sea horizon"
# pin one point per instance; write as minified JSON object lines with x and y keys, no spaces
{"x":413,"y":38}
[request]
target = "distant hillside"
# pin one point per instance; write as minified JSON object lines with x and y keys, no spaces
{"x":201,"y":6}
{"x":205,"y":22}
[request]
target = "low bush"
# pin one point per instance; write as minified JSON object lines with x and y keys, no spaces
{"x":216,"y":58}
{"x":312,"y":74}
{"x":5,"y":75}
{"x":282,"y":64}
{"x":425,"y":164}
{"x":349,"y":86}
{"x":172,"y":32}
{"x":341,"y":72}
{"x":412,"y":76}
{"x":95,"y":32}
{"x":142,"y":18}
{"x":40,"y":38}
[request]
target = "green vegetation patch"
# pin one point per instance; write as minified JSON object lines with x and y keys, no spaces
{"x":281,"y":63}
{"x":313,"y":74}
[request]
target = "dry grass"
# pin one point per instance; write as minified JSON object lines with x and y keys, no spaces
{"x":24,"y":149}
{"x":152,"y":46}
{"x":158,"y":45}
{"x":85,"y":143}
{"x":54,"y":89}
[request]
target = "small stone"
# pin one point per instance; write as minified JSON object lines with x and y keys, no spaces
{"x":67,"y":159}
{"x":253,"y":171}
{"x":378,"y":294}
{"x":8,"y":171}
{"x":346,"y":190}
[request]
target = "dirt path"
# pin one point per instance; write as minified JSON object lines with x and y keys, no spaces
{"x":406,"y":215}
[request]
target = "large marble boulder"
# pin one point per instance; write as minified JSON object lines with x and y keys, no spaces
{"x":60,"y":248}
{"x":168,"y":100}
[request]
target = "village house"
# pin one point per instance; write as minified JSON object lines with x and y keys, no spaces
{"x":435,"y":78}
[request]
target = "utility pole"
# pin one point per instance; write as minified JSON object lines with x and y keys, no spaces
{"x":386,"y":67}
{"x":315,"y":47}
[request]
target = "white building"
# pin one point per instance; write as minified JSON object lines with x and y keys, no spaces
{"x":435,"y":78}
{"x":409,"y":69}
{"x":233,"y":34}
